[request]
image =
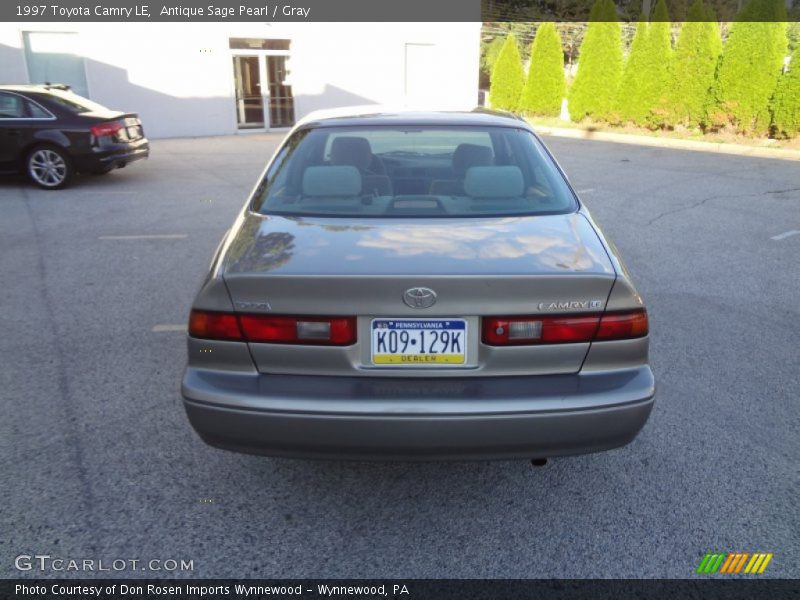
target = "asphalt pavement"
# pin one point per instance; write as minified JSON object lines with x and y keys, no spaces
{"x":98,"y":461}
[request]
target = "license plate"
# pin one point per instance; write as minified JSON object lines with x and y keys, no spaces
{"x":416,"y":342}
{"x":133,"y":132}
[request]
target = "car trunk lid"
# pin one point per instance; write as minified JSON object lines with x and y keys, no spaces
{"x":477,"y":267}
{"x":120,"y":127}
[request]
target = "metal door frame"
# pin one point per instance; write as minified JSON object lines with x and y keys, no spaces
{"x":264,"y":80}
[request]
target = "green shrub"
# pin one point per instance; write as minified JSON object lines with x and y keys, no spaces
{"x":546,"y":86}
{"x":490,"y":52}
{"x":786,"y":104}
{"x":599,"y":65}
{"x":660,"y":59}
{"x":508,"y":77}
{"x":751,"y":63}
{"x":645,"y":80}
{"x":694,"y":65}
{"x":631,"y":103}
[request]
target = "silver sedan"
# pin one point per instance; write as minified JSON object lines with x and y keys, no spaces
{"x":416,"y":286}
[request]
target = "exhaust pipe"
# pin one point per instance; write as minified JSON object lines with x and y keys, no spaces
{"x":538,"y":462}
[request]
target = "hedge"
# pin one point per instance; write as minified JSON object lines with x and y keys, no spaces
{"x":645,"y":81}
{"x":631,"y":105}
{"x":751,"y":64}
{"x":546,"y":85}
{"x":599,"y":65}
{"x":694,"y":66}
{"x":508,"y":77}
{"x":491,"y":52}
{"x":786,"y":104}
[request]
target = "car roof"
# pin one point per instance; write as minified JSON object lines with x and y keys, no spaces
{"x":42,"y":88}
{"x":383,"y":115}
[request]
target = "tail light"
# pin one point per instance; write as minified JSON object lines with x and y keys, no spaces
{"x":109,"y":128}
{"x":214,"y":326}
{"x":623,"y":326}
{"x":273,"y":329}
{"x":529,"y":330}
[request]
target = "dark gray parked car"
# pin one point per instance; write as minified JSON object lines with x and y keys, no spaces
{"x":416,"y":285}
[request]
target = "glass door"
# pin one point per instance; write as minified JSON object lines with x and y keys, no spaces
{"x":249,"y":97}
{"x":267,"y":105}
{"x":281,"y":102}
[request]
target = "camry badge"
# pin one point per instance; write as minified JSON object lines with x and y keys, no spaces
{"x":419,"y":297}
{"x":571,"y":305}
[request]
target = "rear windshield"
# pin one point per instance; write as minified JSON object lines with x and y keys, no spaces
{"x":73,"y":102}
{"x":413,"y":171}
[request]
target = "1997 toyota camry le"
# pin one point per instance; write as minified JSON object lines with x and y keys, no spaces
{"x":416,"y":286}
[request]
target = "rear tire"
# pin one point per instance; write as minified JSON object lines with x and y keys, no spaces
{"x":49,"y":167}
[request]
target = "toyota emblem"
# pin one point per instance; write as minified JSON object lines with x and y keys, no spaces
{"x":419,"y":297}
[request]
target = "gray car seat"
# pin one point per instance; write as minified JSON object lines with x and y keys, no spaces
{"x":356,"y":152}
{"x":465,"y":156}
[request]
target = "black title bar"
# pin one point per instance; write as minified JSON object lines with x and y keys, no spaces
{"x":412,"y":589}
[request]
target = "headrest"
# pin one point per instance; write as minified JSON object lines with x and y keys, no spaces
{"x":470,"y":155}
{"x":494,"y":182}
{"x":354,"y":151}
{"x":331,"y":181}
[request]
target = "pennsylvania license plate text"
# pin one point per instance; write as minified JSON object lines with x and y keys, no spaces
{"x":419,"y":341}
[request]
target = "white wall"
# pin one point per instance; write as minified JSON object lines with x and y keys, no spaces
{"x":359,"y":63}
{"x":178,"y":77}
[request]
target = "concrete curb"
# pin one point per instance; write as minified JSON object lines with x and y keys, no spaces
{"x":644,"y":140}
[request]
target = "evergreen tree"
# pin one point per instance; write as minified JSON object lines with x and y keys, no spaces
{"x":546,"y":86}
{"x":660,"y":60}
{"x":490,"y":53}
{"x":645,"y":80}
{"x":693,"y":67}
{"x":631,"y":105}
{"x":786,"y":104}
{"x":751,"y":64}
{"x":599,"y":65}
{"x":508,"y":77}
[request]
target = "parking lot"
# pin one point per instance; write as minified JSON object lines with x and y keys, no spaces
{"x":99,"y":461}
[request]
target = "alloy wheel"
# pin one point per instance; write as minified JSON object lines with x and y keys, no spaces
{"x":47,"y":167}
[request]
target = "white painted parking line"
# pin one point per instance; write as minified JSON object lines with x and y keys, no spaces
{"x":109,"y":192}
{"x":784,"y":235}
{"x":160,"y":236}
{"x":163,"y":328}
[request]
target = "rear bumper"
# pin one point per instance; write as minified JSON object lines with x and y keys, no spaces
{"x":418,"y":419}
{"x":112,"y":156}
